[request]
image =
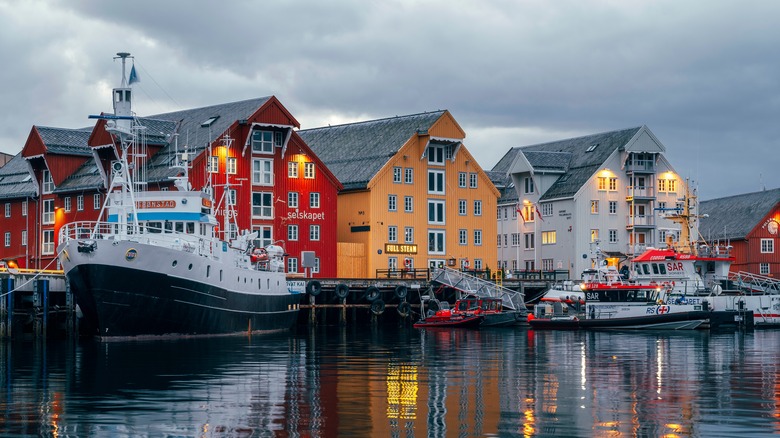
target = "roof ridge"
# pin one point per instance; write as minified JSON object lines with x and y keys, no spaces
{"x":578,"y":138}
{"x":375,"y":120}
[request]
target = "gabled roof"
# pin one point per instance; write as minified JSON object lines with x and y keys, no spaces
{"x":501,"y":178}
{"x":65,"y":141}
{"x":355,"y":152}
{"x":15,"y":179}
{"x":734,"y":217}
{"x":579,"y":158}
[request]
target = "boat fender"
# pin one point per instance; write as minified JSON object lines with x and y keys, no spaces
{"x":404,"y":308}
{"x":400,"y":291}
{"x":377,"y":306}
{"x":313,"y":288}
{"x":342,"y":290}
{"x":372,"y":293}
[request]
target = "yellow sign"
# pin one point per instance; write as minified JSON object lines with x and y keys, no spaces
{"x":396,"y":248}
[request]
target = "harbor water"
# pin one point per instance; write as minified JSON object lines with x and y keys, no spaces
{"x":396,"y":381}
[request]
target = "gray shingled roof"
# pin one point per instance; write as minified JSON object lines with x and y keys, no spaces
{"x":65,"y":141}
{"x":502,"y":180}
{"x":159,"y":131}
{"x":734,"y":217}
{"x":355,"y":152}
{"x":581,"y":164}
{"x":15,"y":180}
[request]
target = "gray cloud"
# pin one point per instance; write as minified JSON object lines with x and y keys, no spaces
{"x":702,"y":76}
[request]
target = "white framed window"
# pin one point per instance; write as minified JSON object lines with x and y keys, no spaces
{"x":292,"y":169}
{"x":515,"y":239}
{"x":80,"y":203}
{"x":436,"y":211}
{"x":763,"y":269}
{"x":48,"y":182}
{"x":672,"y":186}
{"x":436,"y":239}
{"x":549,"y":237}
{"x":473,"y":180}
{"x":408,"y":234}
{"x":263,"y":142}
{"x":392,"y":203}
{"x":601,"y":183}
{"x":528,"y":185}
{"x":48,"y":212}
{"x":265,"y":236}
{"x":96,"y":201}
{"x":613,"y":184}
{"x":24,"y":237}
{"x":213,"y":164}
{"x":408,"y":204}
{"x":232,"y":165}
{"x":262,"y":172}
{"x":47,"y":244}
{"x":231,"y":197}
{"x":463,"y":236}
{"x":292,"y":265}
{"x":547,"y":264}
{"x":477,"y":208}
{"x":397,"y":175}
{"x":7,"y":239}
{"x":767,"y":246}
{"x":436,"y":154}
{"x":547,"y":209}
{"x":292,"y":233}
{"x":316,"y":268}
{"x":529,"y":241}
{"x":594,"y":235}
{"x":462,"y":207}
{"x":478,"y":237}
{"x":292,"y":199}
{"x":24,"y":208}
{"x":478,"y":264}
{"x":613,"y":207}
{"x":436,"y":182}
{"x":7,"y":209}
{"x":462,"y":179}
{"x":529,"y":213}
{"x":314,"y":200}
{"x":392,"y":233}
{"x":67,"y":202}
{"x":613,"y":236}
{"x":594,"y":207}
{"x":314,"y":233}
{"x":409,"y":175}
{"x":308,"y":170}
{"x":262,"y":205}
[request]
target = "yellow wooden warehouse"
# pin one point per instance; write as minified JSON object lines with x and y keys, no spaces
{"x":414,"y":197}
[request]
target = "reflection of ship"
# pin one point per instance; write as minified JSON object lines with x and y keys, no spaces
{"x":153,"y":262}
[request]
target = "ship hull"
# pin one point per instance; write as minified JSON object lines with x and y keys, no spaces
{"x":671,"y":321}
{"x":148,"y":295}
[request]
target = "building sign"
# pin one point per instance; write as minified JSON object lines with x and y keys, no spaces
{"x":169,"y":203}
{"x":306,"y":215}
{"x":396,"y":248}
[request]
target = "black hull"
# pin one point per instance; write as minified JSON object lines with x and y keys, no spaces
{"x":128,"y":302}
{"x":712,"y":320}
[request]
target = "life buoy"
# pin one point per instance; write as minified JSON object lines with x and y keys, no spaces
{"x":372,"y":293}
{"x":342,"y":290}
{"x":313,"y":288}
{"x":401,"y":291}
{"x":377,"y":306}
{"x":404,"y":308}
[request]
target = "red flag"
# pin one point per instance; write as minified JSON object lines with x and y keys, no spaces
{"x":520,"y":210}
{"x":538,"y":214}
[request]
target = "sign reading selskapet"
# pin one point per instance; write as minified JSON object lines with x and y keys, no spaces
{"x":306,"y":215}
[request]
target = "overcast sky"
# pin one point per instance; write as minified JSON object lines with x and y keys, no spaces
{"x":702,"y":75}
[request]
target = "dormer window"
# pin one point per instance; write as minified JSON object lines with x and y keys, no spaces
{"x":436,"y":154}
{"x":263,"y":142}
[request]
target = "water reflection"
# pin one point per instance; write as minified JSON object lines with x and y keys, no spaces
{"x":397,"y":381}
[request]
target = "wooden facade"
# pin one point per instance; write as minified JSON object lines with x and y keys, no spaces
{"x":759,"y":251}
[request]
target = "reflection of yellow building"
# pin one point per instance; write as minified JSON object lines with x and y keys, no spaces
{"x":413,"y":195}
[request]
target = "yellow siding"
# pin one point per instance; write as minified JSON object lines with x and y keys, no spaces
{"x":382,"y":185}
{"x":351,"y":260}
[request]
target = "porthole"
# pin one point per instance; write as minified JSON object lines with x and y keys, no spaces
{"x":175,"y":262}
{"x":190,"y":267}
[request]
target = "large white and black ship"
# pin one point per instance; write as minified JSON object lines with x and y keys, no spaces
{"x":154,"y":263}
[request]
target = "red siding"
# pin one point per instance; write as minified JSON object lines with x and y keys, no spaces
{"x":748,"y":253}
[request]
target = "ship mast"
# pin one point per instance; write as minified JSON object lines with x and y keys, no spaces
{"x":687,"y":217}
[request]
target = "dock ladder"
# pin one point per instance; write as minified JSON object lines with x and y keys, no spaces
{"x":476,"y":286}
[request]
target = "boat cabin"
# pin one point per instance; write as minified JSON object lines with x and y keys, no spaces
{"x":478,"y":305}
{"x":623,"y":295}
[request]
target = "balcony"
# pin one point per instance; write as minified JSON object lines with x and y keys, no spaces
{"x":639,"y":192}
{"x":640,"y":166}
{"x":640,"y":221}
